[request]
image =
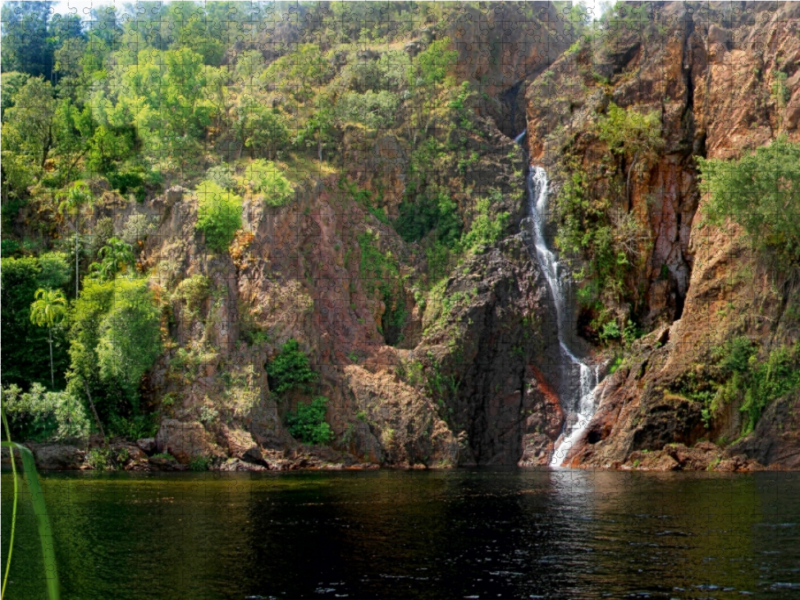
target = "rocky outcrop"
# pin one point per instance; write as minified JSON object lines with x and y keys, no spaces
{"x":56,"y":457}
{"x":775,"y":442}
{"x":704,"y":456}
{"x":185,"y":441}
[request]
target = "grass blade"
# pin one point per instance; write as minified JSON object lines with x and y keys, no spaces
{"x":42,"y":520}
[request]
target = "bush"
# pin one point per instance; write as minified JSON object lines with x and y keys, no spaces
{"x":193,"y":291}
{"x":486,"y":228}
{"x":137,"y":227}
{"x":219,"y":215}
{"x":222,"y":175}
{"x":436,"y":61}
{"x":308,"y":424}
{"x":760,"y":192}
{"x":377,"y":110}
{"x":40,"y":415}
{"x":609,"y":240}
{"x":437,"y":213}
{"x":199,"y":463}
{"x":755,"y":380}
{"x":290,"y":369}
{"x":266,"y":177}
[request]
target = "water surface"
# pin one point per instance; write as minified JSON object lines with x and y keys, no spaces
{"x":431,"y":535}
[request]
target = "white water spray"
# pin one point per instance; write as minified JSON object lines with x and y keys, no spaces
{"x":579,"y":408}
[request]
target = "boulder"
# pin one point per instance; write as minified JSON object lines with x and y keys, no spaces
{"x":185,"y":441}
{"x":236,"y":464}
{"x":147,"y":445}
{"x":240,"y":444}
{"x":57,"y":457}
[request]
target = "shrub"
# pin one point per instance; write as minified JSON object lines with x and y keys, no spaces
{"x":26,"y":359}
{"x":308,"y":424}
{"x":114,"y":340}
{"x":40,"y":415}
{"x":486,"y":228}
{"x":193,"y":291}
{"x":755,"y":380}
{"x":609,"y":240}
{"x":266,"y":177}
{"x":377,"y":110}
{"x":436,"y":61}
{"x":760,"y":192}
{"x":199,"y":463}
{"x":219,"y":215}
{"x":100,"y":459}
{"x":290,"y":369}
{"x":436,"y":213}
{"x":222,"y":175}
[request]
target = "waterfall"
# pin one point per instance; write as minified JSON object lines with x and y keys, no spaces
{"x":578,"y":406}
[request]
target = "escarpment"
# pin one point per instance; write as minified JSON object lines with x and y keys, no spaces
{"x":381,"y":298}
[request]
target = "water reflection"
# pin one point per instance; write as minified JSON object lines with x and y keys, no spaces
{"x":447,"y":534}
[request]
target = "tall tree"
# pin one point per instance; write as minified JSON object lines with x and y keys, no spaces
{"x":47,"y":310}
{"x":73,"y":201}
{"x":25,"y":44}
{"x":27,"y":134}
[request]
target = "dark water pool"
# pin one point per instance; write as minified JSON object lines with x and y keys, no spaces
{"x":405,"y":535}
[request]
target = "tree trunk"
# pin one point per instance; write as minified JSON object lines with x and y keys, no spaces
{"x":94,"y":411}
{"x":52,"y":374}
{"x":77,"y":271}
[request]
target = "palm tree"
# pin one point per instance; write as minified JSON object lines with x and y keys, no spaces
{"x":72,"y":202}
{"x":116,"y":256}
{"x":47,"y":310}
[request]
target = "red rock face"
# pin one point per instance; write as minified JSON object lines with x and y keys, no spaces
{"x":701,"y":285}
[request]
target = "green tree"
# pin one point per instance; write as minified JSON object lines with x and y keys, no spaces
{"x":24,"y":360}
{"x":290,"y":369}
{"x":318,"y":130}
{"x":298,"y":72}
{"x":436,"y":61}
{"x":196,"y":32}
{"x":73,"y":201}
{"x":267,"y":178}
{"x":115,"y":338}
{"x":264,"y":130}
{"x":760,"y":192}
{"x":25,"y":43}
{"x":219,"y":215}
{"x":28,"y":133}
{"x":48,"y":309}
{"x":164,"y":95}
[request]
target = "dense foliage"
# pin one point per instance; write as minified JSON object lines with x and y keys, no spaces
{"x":308,"y":425}
{"x":40,"y":415}
{"x":115,"y":338}
{"x":26,"y":360}
{"x":219,"y":215}
{"x":290,"y":369}
{"x":760,"y":192}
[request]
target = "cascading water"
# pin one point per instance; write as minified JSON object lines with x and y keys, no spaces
{"x":579,"y":406}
